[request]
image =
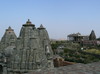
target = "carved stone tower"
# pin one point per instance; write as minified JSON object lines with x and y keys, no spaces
{"x":32,"y":50}
{"x":92,"y":36}
{"x":8,"y":39}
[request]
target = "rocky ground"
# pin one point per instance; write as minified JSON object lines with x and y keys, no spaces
{"x":92,"y":68}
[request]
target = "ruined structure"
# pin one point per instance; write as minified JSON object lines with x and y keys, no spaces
{"x":30,"y":51}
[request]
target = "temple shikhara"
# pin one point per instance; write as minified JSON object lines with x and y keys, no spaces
{"x":30,"y":51}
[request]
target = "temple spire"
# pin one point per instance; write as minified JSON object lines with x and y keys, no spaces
{"x":41,"y":27}
{"x":92,"y":35}
{"x":9,"y":29}
{"x":28,"y":22}
{"x":28,"y":19}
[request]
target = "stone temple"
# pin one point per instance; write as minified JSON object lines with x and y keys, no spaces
{"x":28,"y":52}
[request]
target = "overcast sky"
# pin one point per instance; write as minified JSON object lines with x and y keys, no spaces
{"x":60,"y":17}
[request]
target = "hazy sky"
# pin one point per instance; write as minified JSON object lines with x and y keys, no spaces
{"x":60,"y":17}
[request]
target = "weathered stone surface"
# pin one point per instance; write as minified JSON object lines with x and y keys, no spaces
{"x":8,"y":39}
{"x":30,"y":51}
{"x":92,"y":68}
